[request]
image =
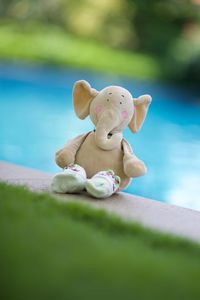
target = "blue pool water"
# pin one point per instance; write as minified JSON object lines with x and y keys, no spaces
{"x":37,"y":118}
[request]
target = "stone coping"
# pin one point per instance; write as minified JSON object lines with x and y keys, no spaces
{"x":153,"y":214}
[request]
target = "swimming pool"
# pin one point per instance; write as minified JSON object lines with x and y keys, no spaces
{"x":37,"y":118}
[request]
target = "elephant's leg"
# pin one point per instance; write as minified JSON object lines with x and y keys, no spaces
{"x":71,"y":180}
{"x":103,"y":184}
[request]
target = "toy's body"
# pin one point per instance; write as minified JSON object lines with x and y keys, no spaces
{"x":93,"y":159}
{"x":111,"y":110}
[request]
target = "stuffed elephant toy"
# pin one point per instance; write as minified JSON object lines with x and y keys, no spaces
{"x":102,"y":161}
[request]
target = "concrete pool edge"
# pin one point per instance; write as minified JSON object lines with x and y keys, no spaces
{"x":150,"y":213}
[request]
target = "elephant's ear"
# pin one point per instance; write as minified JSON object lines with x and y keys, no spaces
{"x":141,"y":106}
{"x":83,"y":94}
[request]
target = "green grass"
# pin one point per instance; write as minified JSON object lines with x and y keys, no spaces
{"x":54,"y":250}
{"x":50,"y":45}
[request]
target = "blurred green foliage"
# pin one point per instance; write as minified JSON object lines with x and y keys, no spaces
{"x":50,"y":45}
{"x":56,"y":250}
{"x":169,"y":30}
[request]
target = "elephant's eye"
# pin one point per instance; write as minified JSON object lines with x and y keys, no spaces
{"x":110,"y":93}
{"x":120,"y":102}
{"x":107,"y":100}
{"x":122,"y":96}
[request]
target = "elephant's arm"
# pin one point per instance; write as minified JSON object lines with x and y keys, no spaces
{"x":66,"y":155}
{"x":133,"y":166}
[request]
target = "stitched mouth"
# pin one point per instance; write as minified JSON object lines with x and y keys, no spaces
{"x":109,"y":135}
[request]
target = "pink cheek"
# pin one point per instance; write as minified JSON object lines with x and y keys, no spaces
{"x":98,"y":109}
{"x":124,"y":115}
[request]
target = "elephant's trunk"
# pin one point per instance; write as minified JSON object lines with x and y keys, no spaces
{"x":105,"y":137}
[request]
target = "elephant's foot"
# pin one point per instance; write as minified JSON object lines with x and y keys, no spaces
{"x":71,"y":180}
{"x":103,"y":184}
{"x":134,"y":168}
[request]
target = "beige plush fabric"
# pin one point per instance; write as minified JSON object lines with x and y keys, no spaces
{"x":93,"y":159}
{"x":84,"y":151}
{"x":111,"y":110}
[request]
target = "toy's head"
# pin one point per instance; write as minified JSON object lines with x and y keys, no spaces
{"x":111,"y":110}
